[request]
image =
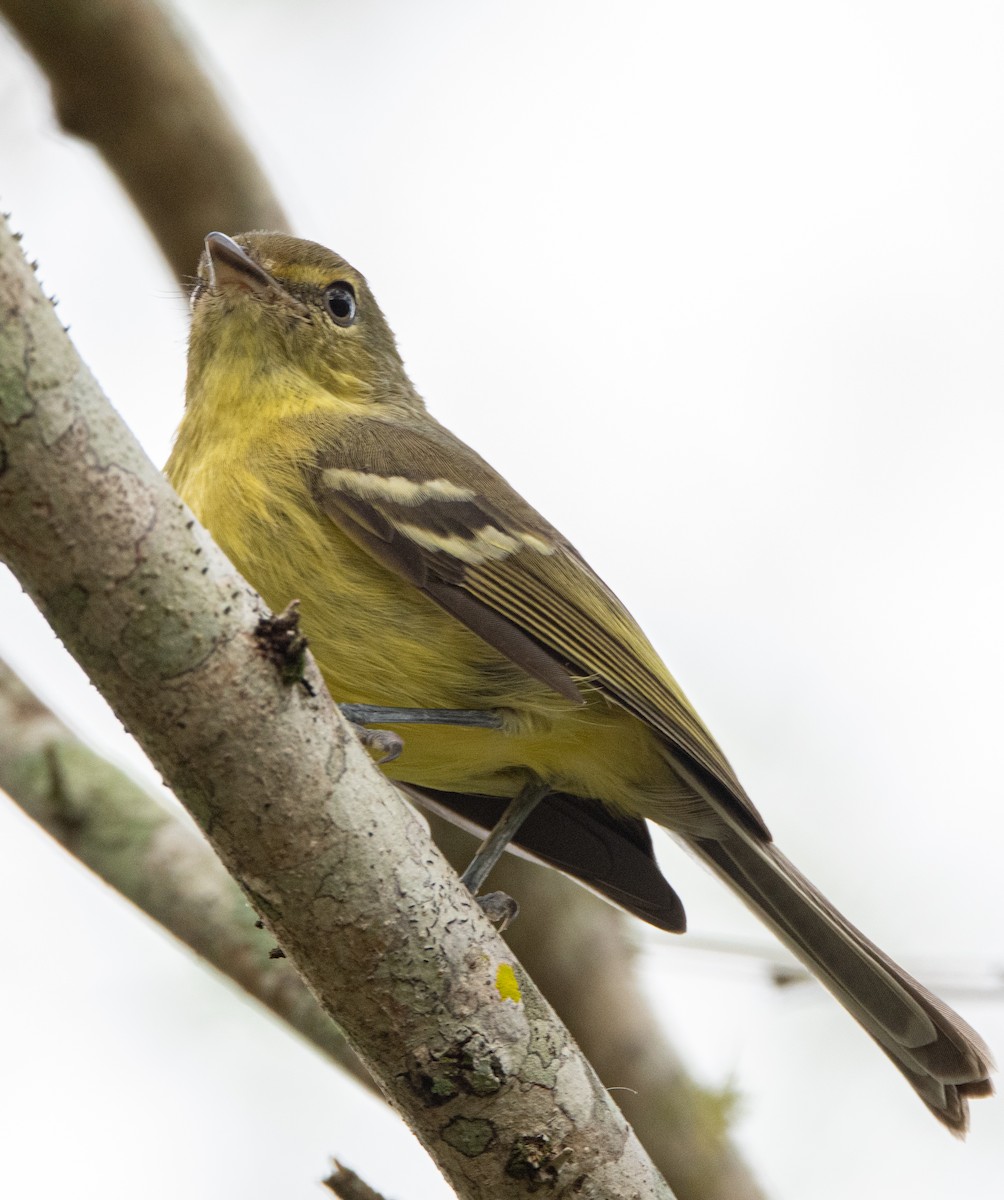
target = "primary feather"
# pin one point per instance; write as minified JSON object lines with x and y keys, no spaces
{"x":426,"y":581}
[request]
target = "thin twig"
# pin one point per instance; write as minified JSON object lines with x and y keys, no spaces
{"x":347,"y":1185}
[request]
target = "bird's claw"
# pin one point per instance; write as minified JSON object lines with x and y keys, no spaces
{"x":381,"y":742}
{"x":500,"y":908}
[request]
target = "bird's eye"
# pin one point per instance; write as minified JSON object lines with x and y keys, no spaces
{"x":340,"y":300}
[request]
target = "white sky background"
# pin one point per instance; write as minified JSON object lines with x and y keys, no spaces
{"x":720,"y":288}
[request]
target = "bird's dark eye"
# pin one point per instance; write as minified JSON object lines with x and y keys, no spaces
{"x":340,"y":299}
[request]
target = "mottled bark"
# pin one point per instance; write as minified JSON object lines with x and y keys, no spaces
{"x":583,"y":961}
{"x":149,"y":854}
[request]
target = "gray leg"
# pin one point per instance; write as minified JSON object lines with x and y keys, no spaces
{"x":389,"y":745}
{"x":375,"y":714}
{"x":497,"y":905}
{"x":383,"y":742}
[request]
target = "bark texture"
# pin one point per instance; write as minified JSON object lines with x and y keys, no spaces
{"x":130,"y":839}
{"x":584,"y":962}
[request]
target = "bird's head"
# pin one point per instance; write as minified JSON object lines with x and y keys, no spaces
{"x":269,"y":309}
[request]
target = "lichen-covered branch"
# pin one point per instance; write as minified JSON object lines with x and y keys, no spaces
{"x":125,"y":79}
{"x":131,"y":840}
{"x":583,"y":960}
{"x":339,"y":867}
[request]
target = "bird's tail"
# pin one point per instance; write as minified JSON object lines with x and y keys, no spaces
{"x":944,"y":1060}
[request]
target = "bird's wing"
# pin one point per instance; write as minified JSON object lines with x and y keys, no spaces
{"x":431,"y":510}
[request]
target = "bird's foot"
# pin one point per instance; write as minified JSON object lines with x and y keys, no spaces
{"x":385,"y":744}
{"x":389,"y":745}
{"x":500,"y":908}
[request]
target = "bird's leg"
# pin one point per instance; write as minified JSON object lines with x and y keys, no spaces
{"x":490,"y":850}
{"x":390,"y":745}
{"x":499,"y":907}
{"x":376,"y":714}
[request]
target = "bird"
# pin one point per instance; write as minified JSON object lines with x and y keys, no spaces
{"x":444,"y":612}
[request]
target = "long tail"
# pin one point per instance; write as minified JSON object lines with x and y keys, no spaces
{"x":944,"y":1060}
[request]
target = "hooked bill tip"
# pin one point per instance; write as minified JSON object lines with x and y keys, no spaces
{"x":230,"y":266}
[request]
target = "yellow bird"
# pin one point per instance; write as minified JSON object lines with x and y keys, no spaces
{"x":429,"y":587}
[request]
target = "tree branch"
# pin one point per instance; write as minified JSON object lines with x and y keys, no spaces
{"x":128,"y":838}
{"x":683,"y":1126}
{"x":335,"y":862}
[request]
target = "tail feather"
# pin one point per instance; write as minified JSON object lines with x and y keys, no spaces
{"x":945,"y":1061}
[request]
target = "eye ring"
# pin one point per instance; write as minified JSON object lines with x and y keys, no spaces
{"x":340,"y":301}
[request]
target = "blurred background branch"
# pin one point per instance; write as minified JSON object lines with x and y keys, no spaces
{"x":126,"y":78}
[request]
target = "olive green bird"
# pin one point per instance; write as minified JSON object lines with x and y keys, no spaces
{"x":520,"y":687}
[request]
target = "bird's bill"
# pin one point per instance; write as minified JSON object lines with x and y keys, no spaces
{"x":230,"y":267}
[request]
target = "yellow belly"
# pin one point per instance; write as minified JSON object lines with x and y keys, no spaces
{"x":378,"y":640}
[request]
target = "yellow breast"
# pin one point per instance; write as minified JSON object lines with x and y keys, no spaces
{"x":379,"y":640}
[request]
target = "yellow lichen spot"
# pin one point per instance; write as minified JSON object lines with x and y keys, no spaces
{"x":507,"y":984}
